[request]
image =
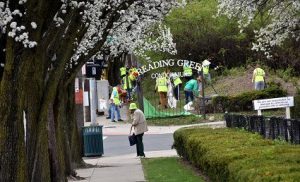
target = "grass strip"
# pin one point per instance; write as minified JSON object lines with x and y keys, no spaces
{"x":169,"y":169}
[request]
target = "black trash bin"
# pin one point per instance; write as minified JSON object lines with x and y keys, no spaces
{"x":93,"y":141}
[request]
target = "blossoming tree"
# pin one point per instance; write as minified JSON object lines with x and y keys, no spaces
{"x":44,"y":44}
{"x":282,"y":20}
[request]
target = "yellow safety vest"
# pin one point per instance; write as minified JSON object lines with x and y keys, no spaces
{"x":132,"y":77}
{"x":187,"y":71}
{"x":133,"y":70}
{"x":125,"y":79}
{"x":162,"y":84}
{"x":259,"y":74}
{"x":116,"y":98}
{"x":206,"y":69}
{"x":177,"y":81}
{"x":123,"y":71}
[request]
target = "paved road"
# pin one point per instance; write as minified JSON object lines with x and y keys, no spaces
{"x":119,"y":145}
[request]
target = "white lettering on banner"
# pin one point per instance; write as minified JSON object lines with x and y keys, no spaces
{"x":156,"y":75}
{"x":273,"y":103}
{"x":169,"y":63}
{"x":180,"y":62}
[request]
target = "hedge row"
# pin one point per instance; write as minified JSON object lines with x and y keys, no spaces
{"x":243,"y":102}
{"x":235,"y":155}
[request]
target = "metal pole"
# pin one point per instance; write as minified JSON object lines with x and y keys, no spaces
{"x":203,"y":94}
{"x":92,"y":101}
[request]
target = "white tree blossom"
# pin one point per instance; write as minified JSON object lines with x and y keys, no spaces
{"x":132,"y":31}
{"x":283,"y":17}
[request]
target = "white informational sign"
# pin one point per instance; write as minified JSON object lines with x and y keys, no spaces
{"x":281,"y":102}
{"x":103,"y":95}
{"x":76,"y":85}
{"x":86,"y":99}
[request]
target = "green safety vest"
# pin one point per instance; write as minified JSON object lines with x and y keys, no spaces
{"x":123,"y":71}
{"x":129,"y":85}
{"x":259,"y":74}
{"x":177,"y":81}
{"x":116,"y":98}
{"x":187,"y":71}
{"x":206,"y":69}
{"x":162,"y":84}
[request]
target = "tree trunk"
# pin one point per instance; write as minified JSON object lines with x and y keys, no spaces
{"x":12,"y":145}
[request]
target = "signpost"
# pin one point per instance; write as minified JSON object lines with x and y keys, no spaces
{"x":281,"y":102}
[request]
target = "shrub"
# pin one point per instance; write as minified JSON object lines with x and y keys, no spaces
{"x":243,"y":102}
{"x":236,"y":155}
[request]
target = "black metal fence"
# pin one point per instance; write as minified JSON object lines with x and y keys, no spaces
{"x":269,"y":127}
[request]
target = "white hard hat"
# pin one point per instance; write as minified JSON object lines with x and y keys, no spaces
{"x":205,"y":62}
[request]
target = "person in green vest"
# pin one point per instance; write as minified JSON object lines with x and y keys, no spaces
{"x":258,"y":78}
{"x":115,"y":104}
{"x":162,"y":88}
{"x":191,"y":88}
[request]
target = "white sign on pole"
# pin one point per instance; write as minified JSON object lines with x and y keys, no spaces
{"x":280,"y":102}
{"x":86,"y":99}
{"x":76,"y":85}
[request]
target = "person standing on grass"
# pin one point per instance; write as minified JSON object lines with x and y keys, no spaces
{"x":162,"y":88}
{"x":140,"y":127}
{"x":258,"y":78}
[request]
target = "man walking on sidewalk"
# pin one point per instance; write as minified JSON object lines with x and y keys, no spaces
{"x":140,"y":126}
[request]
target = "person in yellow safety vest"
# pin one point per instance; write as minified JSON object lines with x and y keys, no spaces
{"x":187,"y":72}
{"x":115,"y":104}
{"x":176,"y":83}
{"x":133,"y":73}
{"x":162,"y":88}
{"x":258,"y":78}
{"x":122,"y":71}
{"x":205,"y":68}
{"x":127,"y":85}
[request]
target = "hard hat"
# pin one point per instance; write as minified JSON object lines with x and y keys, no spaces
{"x":205,"y":62}
{"x":132,"y":106}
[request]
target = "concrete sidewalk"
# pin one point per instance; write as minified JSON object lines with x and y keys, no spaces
{"x":124,"y":168}
{"x":127,"y":168}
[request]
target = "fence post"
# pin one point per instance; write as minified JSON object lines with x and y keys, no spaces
{"x":288,"y":113}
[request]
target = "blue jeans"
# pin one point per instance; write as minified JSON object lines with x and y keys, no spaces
{"x":114,"y":108}
{"x":129,"y":90}
{"x":109,"y":110}
{"x":259,"y":85}
{"x":188,"y":95}
{"x":176,"y":92}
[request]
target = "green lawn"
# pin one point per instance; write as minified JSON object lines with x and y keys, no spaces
{"x":170,"y":169}
{"x":184,"y":120}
